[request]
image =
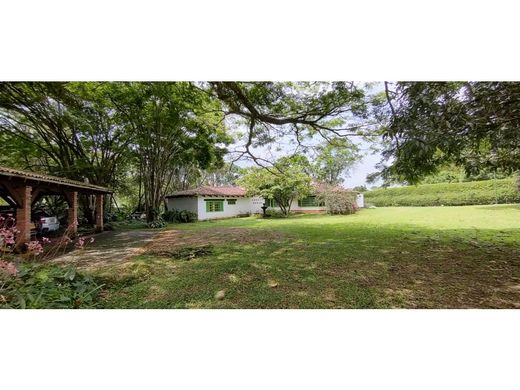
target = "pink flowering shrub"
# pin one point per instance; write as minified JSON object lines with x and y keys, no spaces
{"x":34,"y":248}
{"x":29,"y":284}
{"x":8,"y":268}
{"x":8,"y":231}
{"x":82,"y":242}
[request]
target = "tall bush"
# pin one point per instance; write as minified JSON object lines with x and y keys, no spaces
{"x":447,"y":194}
{"x":338,"y":202}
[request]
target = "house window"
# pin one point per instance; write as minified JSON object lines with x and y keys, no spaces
{"x":214,"y":205}
{"x":271,"y":203}
{"x":309,"y":201}
{"x":231,"y":201}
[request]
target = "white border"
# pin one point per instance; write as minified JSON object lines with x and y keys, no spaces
{"x":369,"y":40}
{"x":268,"y":40}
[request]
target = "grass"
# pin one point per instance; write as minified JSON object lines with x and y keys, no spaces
{"x":427,"y":257}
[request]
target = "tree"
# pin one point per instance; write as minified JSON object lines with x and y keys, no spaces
{"x":284,"y":183}
{"x":163,"y":133}
{"x":361,"y":188}
{"x":63,"y":129}
{"x":227,"y":175}
{"x":174,"y":127}
{"x":470,"y":124}
{"x":334,"y":160}
{"x":302,"y":111}
{"x":456,"y":174}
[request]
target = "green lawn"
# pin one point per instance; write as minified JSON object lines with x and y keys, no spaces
{"x":430,"y":257}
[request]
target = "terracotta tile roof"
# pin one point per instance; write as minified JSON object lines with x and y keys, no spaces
{"x":210,"y":191}
{"x":38,"y":177}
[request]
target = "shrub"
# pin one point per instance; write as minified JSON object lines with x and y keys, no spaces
{"x":156,"y":224}
{"x":338,"y":202}
{"x":447,"y":194}
{"x":275,"y":213}
{"x":183,"y":216}
{"x":36,"y":287}
{"x":170,"y":215}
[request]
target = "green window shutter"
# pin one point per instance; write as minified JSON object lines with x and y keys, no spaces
{"x":214,"y":205}
{"x":309,"y":201}
{"x":231,"y":201}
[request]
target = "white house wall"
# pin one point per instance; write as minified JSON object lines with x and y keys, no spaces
{"x":360,"y":200}
{"x":256,"y":203}
{"x":242,"y":206}
{"x":184,"y":203}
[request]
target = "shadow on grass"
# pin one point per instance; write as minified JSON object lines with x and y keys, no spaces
{"x":341,"y":266}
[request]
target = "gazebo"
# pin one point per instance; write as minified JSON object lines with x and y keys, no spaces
{"x":22,"y":189}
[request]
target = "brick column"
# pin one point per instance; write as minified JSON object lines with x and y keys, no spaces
{"x":23,"y":215}
{"x":72,"y":200}
{"x":99,"y":213}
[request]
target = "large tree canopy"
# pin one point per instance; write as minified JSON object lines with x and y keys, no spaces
{"x":106,"y":132}
{"x":173,"y":126}
{"x":335,"y":159}
{"x":66,"y":129}
{"x":471,"y":124}
{"x":301,"y":111}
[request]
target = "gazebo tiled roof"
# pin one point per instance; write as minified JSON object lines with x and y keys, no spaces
{"x":38,"y":177}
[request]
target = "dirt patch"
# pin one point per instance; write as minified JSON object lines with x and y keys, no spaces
{"x":109,"y":248}
{"x":172,"y":240}
{"x":182,"y":253}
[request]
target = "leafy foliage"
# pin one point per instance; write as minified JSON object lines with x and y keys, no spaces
{"x":275,"y":213}
{"x":470,"y":124}
{"x":362,"y":188}
{"x":335,"y":159}
{"x":338,"y":202}
{"x":447,"y":194}
{"x":284,"y":183}
{"x":156,"y":224}
{"x":174,"y":125}
{"x":299,"y":110}
{"x":109,"y":133}
{"x":47,"y":287}
{"x":456,"y":174}
{"x":183,"y":216}
{"x":65,"y":129}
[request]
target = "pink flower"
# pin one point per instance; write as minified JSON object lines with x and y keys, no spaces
{"x":8,"y":267}
{"x":81,"y":243}
{"x":34,"y":248}
{"x":7,"y":236}
{"x":45,"y":240}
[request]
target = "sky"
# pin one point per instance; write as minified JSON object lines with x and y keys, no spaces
{"x":357,"y":176}
{"x":367,"y":165}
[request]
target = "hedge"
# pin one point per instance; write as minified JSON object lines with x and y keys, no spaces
{"x":446,"y":194}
